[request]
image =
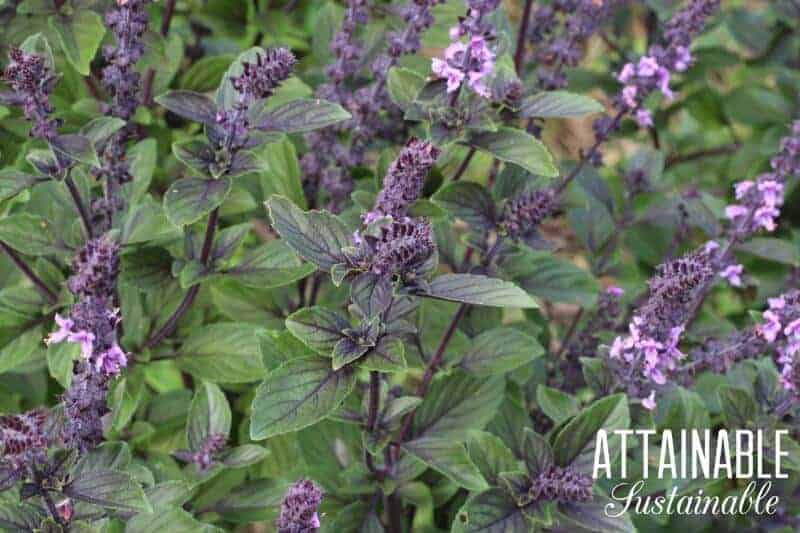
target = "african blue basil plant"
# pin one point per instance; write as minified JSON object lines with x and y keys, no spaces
{"x":350,"y":266}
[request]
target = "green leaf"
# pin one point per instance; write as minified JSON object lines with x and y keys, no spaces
{"x":209,"y":414}
{"x":270,"y":265}
{"x":305,"y":114}
{"x":297,"y":394}
{"x":492,"y":511}
{"x":547,"y":276}
{"x":557,"y":405}
{"x":196,"y":154}
{"x":191,"y":105}
{"x":172,"y":519}
{"x":738,"y":406}
{"x":449,"y":458}
{"x":490,"y":455}
{"x":316,"y":236}
{"x":205,"y":73}
{"x":456,"y":404}
{"x":223,"y":352}
{"x":21,"y":349}
{"x":478,"y":290}
{"x":76,"y":148}
{"x":404,"y":86}
{"x":318,"y":327}
{"x":19,"y":516}
{"x":148,"y":269}
{"x":536,"y":452}
{"x":80,"y":36}
{"x":773,"y":249}
{"x":387,"y":356}
{"x":100,"y":129}
{"x":558,"y":104}
{"x":598,"y":515}
{"x":500,"y":350}
{"x":13,"y":182}
{"x":346,"y":351}
{"x":281,"y":171}
{"x":60,"y":357}
{"x":371,"y":294}
{"x":188,"y":199}
{"x":467,"y":201}
{"x":575,"y":443}
{"x":111,"y":489}
{"x":37,"y":44}
{"x":244,"y":455}
{"x":518,"y":147}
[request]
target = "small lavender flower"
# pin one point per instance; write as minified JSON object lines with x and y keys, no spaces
{"x":646,"y":358}
{"x":759,"y":201}
{"x":523,"y":214}
{"x":653,"y":71}
{"x":32,"y":83}
{"x":471,"y":62}
{"x":559,"y":31}
{"x":128,"y":21}
{"x":562,"y":485}
{"x":780,"y":329}
{"x":299,"y":509}
{"x":403,"y":183}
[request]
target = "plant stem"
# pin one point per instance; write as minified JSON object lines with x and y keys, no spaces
{"x":51,"y":506}
{"x":587,"y":155}
{"x":677,"y":159}
{"x":573,"y":327}
{"x":169,"y":10}
{"x":30,"y":274}
{"x":191,"y":294}
{"x":464,"y":164}
{"x":166,"y":22}
{"x":76,"y":197}
{"x":433,"y":366}
{"x":519,"y":53}
{"x":372,"y":419}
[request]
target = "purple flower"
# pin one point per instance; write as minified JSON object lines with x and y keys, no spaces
{"x":654,"y":71}
{"x":471,"y":62}
{"x":759,"y":201}
{"x":128,"y":21}
{"x":561,"y":484}
{"x":85,"y":408}
{"x":558,"y":32}
{"x":401,"y":247}
{"x":95,"y":268}
{"x":299,"y":509}
{"x":24,"y":444}
{"x":646,"y":359}
{"x":259,"y":79}
{"x":206,"y":456}
{"x":523,"y":214}
{"x":32,"y":83}
{"x":403,"y":183}
{"x":111,"y":361}
{"x":733,"y":274}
